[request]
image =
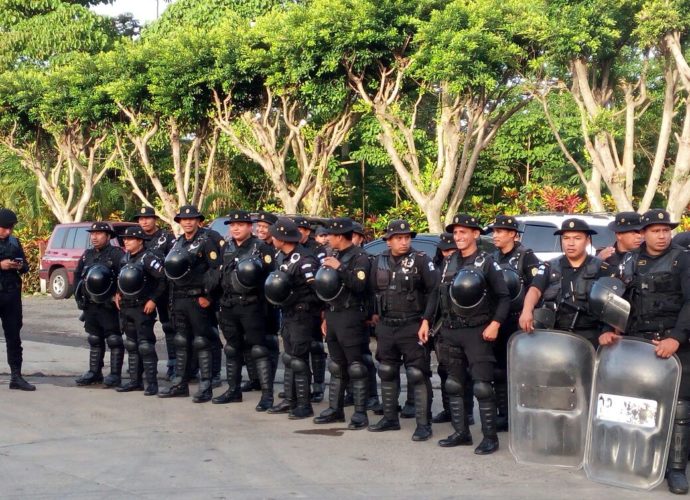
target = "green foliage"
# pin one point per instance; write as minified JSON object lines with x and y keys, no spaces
{"x":404,"y":210}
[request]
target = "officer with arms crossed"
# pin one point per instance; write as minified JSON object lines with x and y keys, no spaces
{"x":290,"y":288}
{"x":473,"y":301}
{"x":402,"y":281}
{"x":658,"y":288}
{"x":519,"y":266}
{"x":96,"y":282}
{"x":246,"y":263}
{"x":12,"y":265}
{"x":341,"y":283}
{"x":141,"y":282}
{"x":563,"y":286}
{"x":160,"y":241}
{"x":191,"y":266}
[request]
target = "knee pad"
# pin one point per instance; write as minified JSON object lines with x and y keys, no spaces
{"x":682,"y":412}
{"x":180,"y":341}
{"x":389,"y":373}
{"x":230,"y":351}
{"x":95,"y":341}
{"x":335,"y":369}
{"x":357,"y":370}
{"x":130,"y":345}
{"x":316,"y":347}
{"x":259,"y":351}
{"x":453,"y":387}
{"x":147,"y":348}
{"x":415,"y":376}
{"x":201,"y":343}
{"x":287,"y":360}
{"x":114,"y":341}
{"x":483,"y":390}
{"x":298,"y":365}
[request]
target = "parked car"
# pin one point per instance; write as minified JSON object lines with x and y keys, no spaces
{"x":539,"y":228}
{"x":63,"y":251}
{"x":425,"y":242}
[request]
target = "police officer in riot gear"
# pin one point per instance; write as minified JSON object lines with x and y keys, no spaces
{"x":95,"y":286}
{"x":291,"y":288}
{"x":141,"y":282}
{"x":658,"y":288}
{"x":563,"y":285}
{"x":402,"y":281}
{"x":160,"y":241}
{"x":317,"y":352}
{"x":447,"y":247}
{"x":262,"y":224}
{"x":12,"y":265}
{"x":321,"y":236}
{"x":341,"y":283}
{"x":246,"y":264}
{"x":519,"y":266}
{"x":626,"y":227}
{"x":191,"y":266}
{"x":473,"y":301}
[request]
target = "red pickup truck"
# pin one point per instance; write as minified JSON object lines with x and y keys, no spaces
{"x":65,"y":247}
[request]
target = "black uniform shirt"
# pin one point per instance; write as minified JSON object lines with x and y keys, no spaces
{"x":160,"y":243}
{"x":530,"y":262}
{"x":109,"y":255}
{"x":355,"y":274}
{"x":153,"y":266}
{"x":11,"y":248}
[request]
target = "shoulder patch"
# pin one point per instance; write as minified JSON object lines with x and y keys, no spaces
{"x":213,"y":255}
{"x":361,"y":275}
{"x":431,"y":266}
{"x":535,"y":271}
{"x":221,"y":242}
{"x":268,"y":259}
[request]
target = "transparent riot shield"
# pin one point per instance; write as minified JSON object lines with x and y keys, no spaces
{"x":631,"y":416}
{"x":550,"y":380}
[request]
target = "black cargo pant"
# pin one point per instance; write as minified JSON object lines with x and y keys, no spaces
{"x":193,"y":335}
{"x":11,"y":317}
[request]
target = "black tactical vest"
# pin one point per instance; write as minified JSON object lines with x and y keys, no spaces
{"x":194,"y":252}
{"x":568,"y":302}
{"x":517,"y":264}
{"x":231,"y":256}
{"x":656,"y":297}
{"x":347,"y":299}
{"x":454,"y":316}
{"x":399,"y":289}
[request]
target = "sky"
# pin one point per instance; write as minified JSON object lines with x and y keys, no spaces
{"x":144,"y":10}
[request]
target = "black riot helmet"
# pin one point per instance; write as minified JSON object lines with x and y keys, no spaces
{"x":468,"y":288}
{"x":247,"y":275}
{"x":177,"y":264}
{"x":514,"y":284}
{"x":278,"y":288}
{"x":132,"y":280}
{"x":327,"y":284}
{"x":100,"y":283}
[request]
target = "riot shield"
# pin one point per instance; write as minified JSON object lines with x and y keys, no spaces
{"x":550,"y":381}
{"x":631,"y":416}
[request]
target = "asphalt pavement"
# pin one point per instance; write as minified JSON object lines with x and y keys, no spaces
{"x":67,"y":442}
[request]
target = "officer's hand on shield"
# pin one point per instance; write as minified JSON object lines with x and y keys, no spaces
{"x":490,"y":333}
{"x":666,"y":348}
{"x":204,"y":302}
{"x":423,"y":332}
{"x":331,"y":262}
{"x":526,"y":321}
{"x":116,"y":299}
{"x":608,"y":338}
{"x":149,"y":307}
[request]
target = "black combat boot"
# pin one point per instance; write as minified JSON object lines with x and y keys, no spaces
{"x":422,"y":403}
{"x":318,"y":368}
{"x":487,"y":414}
{"x":233,"y":368}
{"x":408,"y":410}
{"x":253,"y":384}
{"x":288,"y":404}
{"x":151,"y":375}
{"x":265,"y":372}
{"x":205,"y":392}
{"x":95,"y":373}
{"x":360,"y":391}
{"x":501,"y":390}
{"x":678,"y":452}
{"x":17,"y":381}
{"x":390,"y":388}
{"x":461,"y":436}
{"x":180,"y":387}
{"x":134,"y":368}
{"x":444,"y":415}
{"x":336,"y":391}
{"x":302,"y":393}
{"x":117,"y":358}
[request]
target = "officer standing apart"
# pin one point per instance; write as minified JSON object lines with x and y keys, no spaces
{"x":626,"y":227}
{"x":519,"y":266}
{"x":318,"y":353}
{"x":12,"y":265}
{"x":291,"y":288}
{"x":96,"y":277}
{"x":141,"y":283}
{"x":192,"y":267}
{"x":658,"y":288}
{"x":246,"y":263}
{"x":563,"y":285}
{"x":341,"y":283}
{"x":473,"y":301}
{"x":402,"y":281}
{"x":160,"y":241}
